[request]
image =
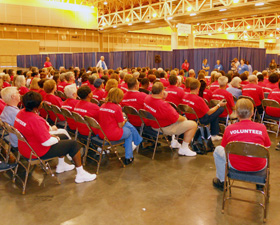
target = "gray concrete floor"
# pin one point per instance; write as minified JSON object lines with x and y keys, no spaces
{"x":167,"y":190}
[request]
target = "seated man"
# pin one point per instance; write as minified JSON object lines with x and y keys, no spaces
{"x":171,"y":122}
{"x":135,"y":99}
{"x":221,"y":94}
{"x":247,"y":131}
{"x":98,"y":93}
{"x":274,"y":95}
{"x":254,"y":91}
{"x":175,"y":94}
{"x":203,"y":112}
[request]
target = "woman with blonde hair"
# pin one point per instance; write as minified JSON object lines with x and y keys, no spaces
{"x":115,"y":126}
{"x":112,"y":83}
{"x":34,"y":86}
{"x":20,"y":84}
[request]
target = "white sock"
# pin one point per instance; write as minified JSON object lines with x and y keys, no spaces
{"x":173,"y":137}
{"x":80,"y":169}
{"x":61,"y":161}
{"x":185,"y":145}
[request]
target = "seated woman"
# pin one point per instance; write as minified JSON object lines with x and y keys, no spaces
{"x":51,"y":99}
{"x":20,"y":84}
{"x":115,"y":126}
{"x":235,"y":88}
{"x":203,"y":112}
{"x":204,"y":92}
{"x":71,"y":94}
{"x":245,"y":130}
{"x":34,"y":85}
{"x":6,"y":80}
{"x":273,"y":81}
{"x":111,"y":83}
{"x":43,"y":143}
{"x":274,"y":95}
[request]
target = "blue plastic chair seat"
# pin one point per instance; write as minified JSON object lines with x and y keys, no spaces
{"x":255,"y":177}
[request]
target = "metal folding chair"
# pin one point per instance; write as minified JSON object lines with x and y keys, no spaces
{"x":145,"y":115}
{"x":57,"y":112}
{"x":266,"y":94}
{"x":94,"y":101}
{"x":71,"y":123}
{"x":31,"y":161}
{"x":270,"y":120}
{"x":105,"y":143}
{"x":4,"y":142}
{"x":186,"y":109}
{"x":61,"y":95}
{"x":174,"y":106}
{"x":101,"y":102}
{"x":260,"y":177}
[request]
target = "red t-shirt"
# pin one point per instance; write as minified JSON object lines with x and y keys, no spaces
{"x":136,"y":100}
{"x":244,"y":83}
{"x":187,"y":90}
{"x":164,"y":82}
{"x":185,"y":66}
{"x":70,"y":104}
{"x":35,"y":130}
{"x":47,"y":64}
{"x":246,"y":131}
{"x":6,"y":84}
{"x":54,"y":100}
{"x":207,"y":94}
{"x":274,"y":95}
{"x":2,"y":105}
{"x":42,"y":93}
{"x":263,"y":85}
{"x":85,"y":108}
{"x":124,"y":87}
{"x":61,"y":86}
{"x":161,"y":110}
{"x":23,"y":90}
{"x":220,"y":94}
{"x":86,"y":83}
{"x":98,"y":94}
{"x":197,"y":103}
{"x":109,"y":117}
{"x":35,"y":90}
{"x":214,"y":86}
{"x":255,"y":92}
{"x":271,"y":85}
{"x":175,"y":94}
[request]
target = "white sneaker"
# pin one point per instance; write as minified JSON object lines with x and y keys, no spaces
{"x":133,"y":146}
{"x":216,"y":138}
{"x":69,"y":157}
{"x":186,"y":152}
{"x":100,"y":149}
{"x":63,"y":167}
{"x":84,"y":177}
{"x":175,"y":144}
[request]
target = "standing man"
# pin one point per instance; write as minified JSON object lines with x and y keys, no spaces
{"x":218,"y":66}
{"x":47,"y":64}
{"x":186,"y":67}
{"x":102,"y":63}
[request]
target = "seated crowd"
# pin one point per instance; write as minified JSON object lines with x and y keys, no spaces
{"x":157,"y":91}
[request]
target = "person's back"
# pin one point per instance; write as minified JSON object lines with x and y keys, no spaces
{"x":175,"y":94}
{"x":255,"y":92}
{"x":220,"y":94}
{"x":274,"y":95}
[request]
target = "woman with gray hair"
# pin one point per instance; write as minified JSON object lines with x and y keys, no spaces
{"x":235,"y":88}
{"x":20,"y":84}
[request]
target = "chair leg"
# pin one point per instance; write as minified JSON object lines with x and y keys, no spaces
{"x":26,"y":178}
{"x":51,"y":173}
{"x":155,"y":146}
{"x":99,"y":161}
{"x":16,"y":168}
{"x":117,"y":154}
{"x":224,"y":195}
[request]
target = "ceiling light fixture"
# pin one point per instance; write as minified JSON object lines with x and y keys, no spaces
{"x":224,"y":19}
{"x":129,"y":24}
{"x":198,"y":24}
{"x":248,"y":27}
{"x":127,"y":19}
{"x":259,"y":4}
{"x":222,"y":10}
{"x":147,"y":21}
{"x":220,"y":29}
{"x":105,"y":3}
{"x":101,"y":28}
{"x":189,"y":9}
{"x":193,"y":14}
{"x":115,"y":26}
{"x":154,"y":15}
{"x":235,"y":1}
{"x":271,"y":35}
{"x":209,"y":34}
{"x":226,"y":32}
{"x":169,"y":18}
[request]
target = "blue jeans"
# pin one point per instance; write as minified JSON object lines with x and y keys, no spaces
{"x":213,"y":119}
{"x":130,"y":134}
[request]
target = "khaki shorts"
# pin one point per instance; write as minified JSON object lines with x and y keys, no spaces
{"x":178,"y":127}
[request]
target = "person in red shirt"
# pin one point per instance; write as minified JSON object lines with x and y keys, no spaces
{"x":98,"y":93}
{"x":6,"y":80}
{"x":163,"y":79}
{"x":247,"y":131}
{"x":274,"y":95}
{"x":255,"y":92}
{"x":171,"y":122}
{"x":69,"y":78}
{"x":273,"y":81}
{"x":47,"y":64}
{"x":221,"y":94}
{"x":34,"y":85}
{"x":262,"y":83}
{"x":215,"y":85}
{"x":61,"y":85}
{"x":85,"y":108}
{"x":145,"y":83}
{"x":204,"y":92}
{"x":51,"y":99}
{"x":175,"y":94}
{"x":135,"y":99}
{"x":115,"y":126}
{"x":186,"y":67}
{"x":244,"y":78}
{"x":124,"y":86}
{"x":203,"y":112}
{"x":111,"y":83}
{"x":43,"y":143}
{"x":2,"y":105}
{"x":20,"y":84}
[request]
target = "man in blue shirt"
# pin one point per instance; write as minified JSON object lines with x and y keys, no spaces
{"x":219,"y":66}
{"x":102,"y":63}
{"x":242,"y":67}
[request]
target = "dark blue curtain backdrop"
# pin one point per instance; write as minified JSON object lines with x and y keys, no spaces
{"x":59,"y":60}
{"x":78,"y":60}
{"x":269,"y":57}
{"x":21,"y":61}
{"x":89,"y":59}
{"x":35,"y":60}
{"x":53,"y":60}
{"x":68,"y":60}
{"x":256,"y":56}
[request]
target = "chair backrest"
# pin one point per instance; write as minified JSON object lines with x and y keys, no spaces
{"x":174,"y":106}
{"x":146,"y":115}
{"x":78,"y":118}
{"x":266,"y":94}
{"x":101,"y":102}
{"x":249,"y":98}
{"x":270,"y":103}
{"x":234,"y":98}
{"x":205,"y":100}
{"x":129,"y":110}
{"x":47,"y":107}
{"x":187,"y":109}
{"x":61,"y":95}
{"x":247,"y":149}
{"x":213,"y":102}
{"x":95,"y":101}
{"x":56,"y":110}
{"x":66,"y":113}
